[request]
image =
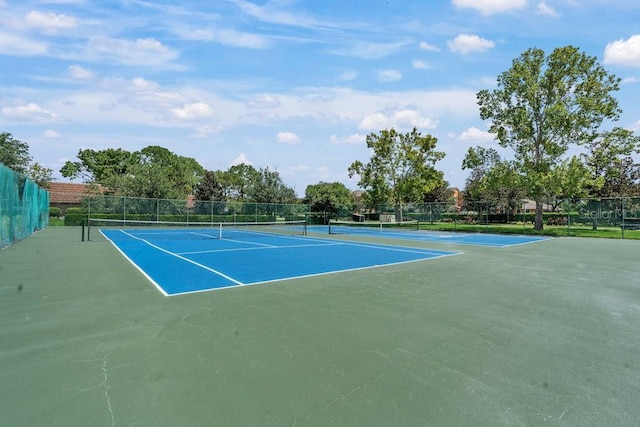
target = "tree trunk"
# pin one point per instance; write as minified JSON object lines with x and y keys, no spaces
{"x":538,"y":221}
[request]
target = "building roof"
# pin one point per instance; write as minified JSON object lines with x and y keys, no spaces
{"x":69,"y":192}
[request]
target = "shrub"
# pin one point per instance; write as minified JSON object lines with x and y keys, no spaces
{"x":55,"y":212}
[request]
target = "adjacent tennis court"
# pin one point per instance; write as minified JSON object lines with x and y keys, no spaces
{"x":530,"y":334}
{"x":410,"y":231}
{"x":180,"y":258}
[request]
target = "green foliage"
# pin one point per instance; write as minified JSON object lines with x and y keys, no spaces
{"x":152,"y":172}
{"x":401,"y":169}
{"x":610,"y":160}
{"x":328,"y":198}
{"x":55,"y":212}
{"x":75,"y":216}
{"x":492,"y":179}
{"x":209,"y":188}
{"x":545,"y":103}
{"x":14,"y":154}
{"x":268,"y":187}
{"x":237,"y":181}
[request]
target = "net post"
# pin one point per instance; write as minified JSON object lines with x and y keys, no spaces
{"x":220,"y":231}
{"x":82,"y":224}
{"x":88,"y":230}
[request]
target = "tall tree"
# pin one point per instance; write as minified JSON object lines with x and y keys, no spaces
{"x":268,"y":187}
{"x":613,"y":168}
{"x":493,"y":181}
{"x":328,"y":198}
{"x":209,"y":188}
{"x":153,"y":172}
{"x":545,"y":103}
{"x":103,"y":167}
{"x":237,"y":181}
{"x":401,"y":168}
{"x":440,"y":194}
{"x":14,"y":153}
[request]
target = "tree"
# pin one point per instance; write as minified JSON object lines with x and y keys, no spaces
{"x":439,"y":194}
{"x":328,"y":198}
{"x":268,"y":187}
{"x":493,"y":181}
{"x":153,"y":172}
{"x":613,"y":169}
{"x":14,"y":154}
{"x":542,"y":105}
{"x":105,"y":167}
{"x":209,"y":188}
{"x":41,"y":175}
{"x":401,"y":169}
{"x":570,"y":181}
{"x":237,"y":181}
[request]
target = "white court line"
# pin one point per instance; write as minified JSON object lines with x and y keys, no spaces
{"x":185,"y":259}
{"x":304,"y":276}
{"x":256,"y":249}
{"x":144,"y":273}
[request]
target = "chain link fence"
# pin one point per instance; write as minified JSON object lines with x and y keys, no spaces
{"x":188,"y":210}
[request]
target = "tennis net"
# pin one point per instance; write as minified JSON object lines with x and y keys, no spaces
{"x":167,"y":230}
{"x":371,"y":227}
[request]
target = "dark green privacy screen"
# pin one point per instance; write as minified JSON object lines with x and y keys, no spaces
{"x":24,"y":206}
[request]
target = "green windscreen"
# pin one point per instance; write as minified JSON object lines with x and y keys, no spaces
{"x":24,"y":206}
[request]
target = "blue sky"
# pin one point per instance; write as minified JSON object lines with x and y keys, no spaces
{"x":293,"y":85}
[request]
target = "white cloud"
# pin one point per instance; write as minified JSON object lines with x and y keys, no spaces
{"x":264,"y":100}
{"x":147,"y":51}
{"x":240,"y":160}
{"x":389,"y":75}
{"x":624,"y":52}
{"x":31,"y":112}
{"x":348,"y":76}
{"x":288,"y":138}
{"x":544,"y":9}
{"x":630,"y":80}
{"x":351,"y":139}
{"x":474,"y":134}
{"x":419,"y":64}
{"x":51,"y":134}
{"x":469,"y":43}
{"x":195,"y":111}
{"x":489,"y":7}
{"x":79,"y":73}
{"x":227,"y":37}
{"x":429,"y":47}
{"x":13,"y":45}
{"x":205,"y":131}
{"x":49,"y":23}
{"x":369,"y":50}
{"x":401,"y":120}
{"x":635,"y":127}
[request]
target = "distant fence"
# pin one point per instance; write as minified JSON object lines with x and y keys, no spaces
{"x":621,"y":214}
{"x":134,"y":208}
{"x":24,"y":207}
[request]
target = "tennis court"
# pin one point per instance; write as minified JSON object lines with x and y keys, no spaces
{"x":411,"y":232}
{"x":182,"y":259}
{"x":542,"y":333}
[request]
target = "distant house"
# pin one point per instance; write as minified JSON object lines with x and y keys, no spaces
{"x":456,"y":195}
{"x":64,"y":195}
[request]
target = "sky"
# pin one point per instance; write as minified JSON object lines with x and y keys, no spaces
{"x":292,"y":85}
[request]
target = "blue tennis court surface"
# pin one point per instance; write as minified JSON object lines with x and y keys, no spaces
{"x":479,"y":239}
{"x":178,"y":265}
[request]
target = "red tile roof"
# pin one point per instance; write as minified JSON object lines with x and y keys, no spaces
{"x":68,"y":192}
